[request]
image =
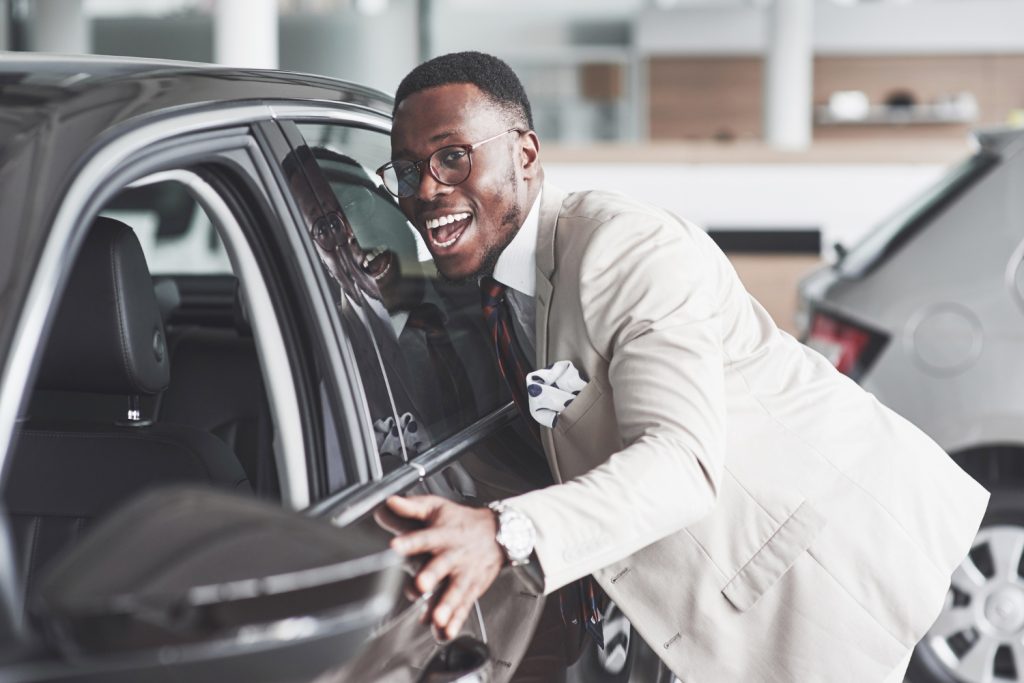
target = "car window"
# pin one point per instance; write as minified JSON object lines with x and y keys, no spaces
{"x":216,"y":382}
{"x":433,"y":341}
{"x":176,"y":235}
{"x":888,"y":235}
{"x":123,"y":404}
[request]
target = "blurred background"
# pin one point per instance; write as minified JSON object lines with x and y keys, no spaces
{"x":788,"y":129}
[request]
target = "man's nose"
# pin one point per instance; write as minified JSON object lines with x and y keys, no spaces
{"x":429,"y":187}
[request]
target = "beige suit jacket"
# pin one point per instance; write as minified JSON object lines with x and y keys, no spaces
{"x":756,"y":514}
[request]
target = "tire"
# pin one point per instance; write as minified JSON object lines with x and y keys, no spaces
{"x":614,"y":663}
{"x":626,"y":658}
{"x":647,"y":667}
{"x":979,"y":635}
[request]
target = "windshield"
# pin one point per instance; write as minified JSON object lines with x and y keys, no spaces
{"x":886,"y":237}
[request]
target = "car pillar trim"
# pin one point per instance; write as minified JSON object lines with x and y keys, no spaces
{"x":273,"y":353}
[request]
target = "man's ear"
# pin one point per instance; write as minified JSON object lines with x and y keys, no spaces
{"x":529,"y":150}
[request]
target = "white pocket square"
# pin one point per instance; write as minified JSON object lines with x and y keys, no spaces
{"x":552,"y":389}
{"x":390,"y":436}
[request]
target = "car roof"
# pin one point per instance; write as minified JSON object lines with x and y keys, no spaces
{"x":51,"y":78}
{"x":1000,"y":140}
{"x":38,"y":91}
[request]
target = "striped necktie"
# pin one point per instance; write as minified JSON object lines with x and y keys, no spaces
{"x":512,"y":361}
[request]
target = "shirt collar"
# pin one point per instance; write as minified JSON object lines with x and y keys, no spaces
{"x":517,"y":264}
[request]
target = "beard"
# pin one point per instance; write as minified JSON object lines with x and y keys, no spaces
{"x":513,"y":221}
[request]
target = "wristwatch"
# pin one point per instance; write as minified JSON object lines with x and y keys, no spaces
{"x":516,"y":534}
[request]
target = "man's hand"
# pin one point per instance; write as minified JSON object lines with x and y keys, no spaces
{"x":462,"y":542}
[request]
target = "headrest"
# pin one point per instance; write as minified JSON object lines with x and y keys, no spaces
{"x":108,"y":337}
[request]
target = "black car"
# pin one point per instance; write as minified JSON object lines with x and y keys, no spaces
{"x":222,"y":348}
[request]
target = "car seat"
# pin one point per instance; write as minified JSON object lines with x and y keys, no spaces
{"x":107,"y":338}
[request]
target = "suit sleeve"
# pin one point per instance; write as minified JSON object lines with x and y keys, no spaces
{"x":647,"y":289}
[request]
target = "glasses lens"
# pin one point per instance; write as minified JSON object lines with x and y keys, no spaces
{"x":401,"y":178}
{"x":387,"y":174}
{"x":325,"y":232}
{"x":450,"y":165}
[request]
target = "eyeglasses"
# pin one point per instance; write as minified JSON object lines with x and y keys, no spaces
{"x":449,"y":165}
{"x":327,"y":231}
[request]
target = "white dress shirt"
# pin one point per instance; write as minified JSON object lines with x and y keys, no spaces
{"x":517,"y":269}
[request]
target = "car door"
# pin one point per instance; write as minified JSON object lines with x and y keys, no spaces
{"x":459,"y":435}
{"x":303,"y":619}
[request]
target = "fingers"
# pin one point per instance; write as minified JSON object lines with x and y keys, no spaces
{"x":416,"y":507}
{"x":425,"y":541}
{"x":389,"y":521}
{"x":434,"y":572}
{"x":451,"y":611}
{"x":460,"y":541}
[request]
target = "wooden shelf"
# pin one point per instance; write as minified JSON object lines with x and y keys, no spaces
{"x":843,"y":151}
{"x":881,"y":115}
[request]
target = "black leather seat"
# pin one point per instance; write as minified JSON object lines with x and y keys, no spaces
{"x":107,"y":338}
{"x":217,"y":386}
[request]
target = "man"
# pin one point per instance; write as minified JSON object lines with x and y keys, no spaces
{"x":755,"y":514}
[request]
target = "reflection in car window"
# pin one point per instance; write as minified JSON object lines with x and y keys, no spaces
{"x":176,"y":235}
{"x":357,"y":299}
{"x":435,"y":347}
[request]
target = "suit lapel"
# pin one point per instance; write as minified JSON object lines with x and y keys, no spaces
{"x":550,"y":206}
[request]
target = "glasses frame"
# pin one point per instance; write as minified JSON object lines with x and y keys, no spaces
{"x":418,"y":165}
{"x":327,"y":230}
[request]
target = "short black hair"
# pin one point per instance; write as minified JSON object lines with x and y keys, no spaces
{"x":494,"y":77}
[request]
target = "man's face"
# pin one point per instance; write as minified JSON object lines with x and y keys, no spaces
{"x":490,"y":205}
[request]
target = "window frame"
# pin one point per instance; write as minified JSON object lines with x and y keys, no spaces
{"x":332,"y":329}
{"x":104,"y":173}
{"x":191,"y":144}
{"x":272,"y":350}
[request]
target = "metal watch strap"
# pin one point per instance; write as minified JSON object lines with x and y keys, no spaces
{"x":515,"y":535}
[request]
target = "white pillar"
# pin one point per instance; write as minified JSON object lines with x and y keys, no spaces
{"x":788,"y":74}
{"x":5,"y":26}
{"x":245,"y":33}
{"x":59,"y":26}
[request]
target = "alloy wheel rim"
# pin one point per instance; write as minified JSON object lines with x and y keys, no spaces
{"x":617,"y":633}
{"x":979,"y":635}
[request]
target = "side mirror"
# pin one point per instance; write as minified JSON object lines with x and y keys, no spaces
{"x":197,"y":584}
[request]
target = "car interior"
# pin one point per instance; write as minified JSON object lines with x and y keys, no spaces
{"x":145,"y":381}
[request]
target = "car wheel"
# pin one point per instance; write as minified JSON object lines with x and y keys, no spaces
{"x":626,"y":658}
{"x":614,"y":662}
{"x":979,"y":635}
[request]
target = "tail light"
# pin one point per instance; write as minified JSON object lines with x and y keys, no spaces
{"x":851,"y":347}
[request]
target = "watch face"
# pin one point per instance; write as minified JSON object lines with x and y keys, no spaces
{"x":517,"y":536}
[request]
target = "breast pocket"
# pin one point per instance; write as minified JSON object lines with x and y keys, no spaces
{"x":579,"y":407}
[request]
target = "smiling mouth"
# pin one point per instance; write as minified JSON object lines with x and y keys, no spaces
{"x":444,"y":231}
{"x":377,"y":263}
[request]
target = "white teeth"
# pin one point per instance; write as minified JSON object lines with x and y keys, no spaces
{"x":433,"y":223}
{"x":382,"y":273}
{"x":448,"y":243}
{"x":372,"y":254}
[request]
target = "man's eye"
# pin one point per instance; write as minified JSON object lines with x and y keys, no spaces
{"x":405,"y":170}
{"x":453,"y":157}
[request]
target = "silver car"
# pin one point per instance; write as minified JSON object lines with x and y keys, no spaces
{"x":927,"y":313}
